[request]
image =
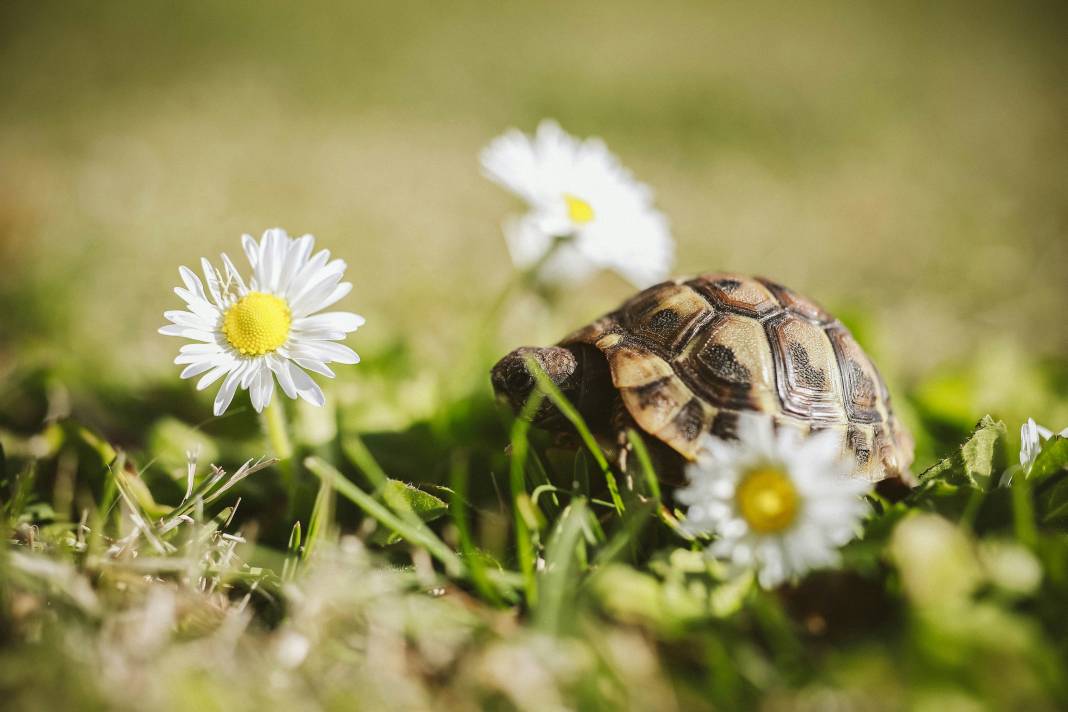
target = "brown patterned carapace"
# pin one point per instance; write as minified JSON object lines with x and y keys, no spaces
{"x":690,"y":356}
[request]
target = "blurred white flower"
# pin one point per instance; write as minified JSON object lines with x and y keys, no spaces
{"x":778,"y":503}
{"x":587,"y":212}
{"x":251,"y":334}
{"x":1032,"y":435}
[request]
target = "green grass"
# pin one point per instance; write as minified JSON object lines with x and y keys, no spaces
{"x":428,"y":567}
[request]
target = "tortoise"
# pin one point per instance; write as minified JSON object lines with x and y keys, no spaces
{"x":692,"y":356}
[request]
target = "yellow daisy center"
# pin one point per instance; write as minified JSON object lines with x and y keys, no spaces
{"x":767,"y":499}
{"x":578,"y":209}
{"x":257,"y":324}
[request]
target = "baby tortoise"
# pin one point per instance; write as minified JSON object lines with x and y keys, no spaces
{"x":690,"y":356}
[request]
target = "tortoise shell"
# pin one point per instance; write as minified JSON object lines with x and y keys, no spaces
{"x":689,"y":356}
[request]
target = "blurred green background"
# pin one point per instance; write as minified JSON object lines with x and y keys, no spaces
{"x":904,"y":163}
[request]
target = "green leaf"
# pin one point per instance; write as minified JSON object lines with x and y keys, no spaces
{"x":410,"y":528}
{"x":1052,"y":459}
{"x":401,"y":495}
{"x":984,"y":453}
{"x":1053,"y":504}
{"x":979,"y":459}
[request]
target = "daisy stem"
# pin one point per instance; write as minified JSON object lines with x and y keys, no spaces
{"x":490,"y":321}
{"x":525,"y":280}
{"x":531,"y":277}
{"x":277,"y":429}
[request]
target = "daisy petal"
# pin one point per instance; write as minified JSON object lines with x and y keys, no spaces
{"x":252,"y":249}
{"x":195,"y":369}
{"x":226,"y":392}
{"x":333,"y":321}
{"x":306,"y":388}
{"x":280,"y":369}
{"x":192,"y":282}
{"x":233,"y":274}
{"x":336,"y":294}
{"x":261,"y":388}
{"x":315,"y":366}
{"x":329,"y":351}
{"x":212,"y":376}
{"x":213,"y":281}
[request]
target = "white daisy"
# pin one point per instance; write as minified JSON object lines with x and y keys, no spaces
{"x":587,"y":212}
{"x":250,"y":334}
{"x":778,"y":503}
{"x":1032,"y":435}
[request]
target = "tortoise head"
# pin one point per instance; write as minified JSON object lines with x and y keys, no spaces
{"x":513,"y":381}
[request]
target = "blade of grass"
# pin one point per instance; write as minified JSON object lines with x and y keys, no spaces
{"x":289,"y":568}
{"x":633,"y":524}
{"x":557,"y":579}
{"x":211,"y":488}
{"x":18,"y":497}
{"x":1023,"y":512}
{"x":458,"y":510}
{"x":415,"y":532}
{"x":134,"y":506}
{"x":516,"y":468}
{"x":672,"y":523}
{"x":580,"y":472}
{"x":321,"y":521}
{"x":358,"y":454}
{"x":546,"y":385}
{"x":539,"y":475}
{"x":535,"y":496}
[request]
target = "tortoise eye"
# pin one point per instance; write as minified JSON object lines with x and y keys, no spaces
{"x":519,"y":381}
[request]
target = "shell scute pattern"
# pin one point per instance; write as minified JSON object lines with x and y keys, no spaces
{"x":865,"y":393}
{"x":634,"y":367}
{"x":730,"y":364}
{"x":794,"y":302}
{"x":859,"y":440}
{"x":732,"y":292}
{"x":658,"y":402}
{"x":666,"y":318}
{"x":806,"y":369}
{"x":689,"y":357}
{"x":687,"y":425}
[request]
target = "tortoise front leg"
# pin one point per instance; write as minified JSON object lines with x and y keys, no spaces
{"x":621,"y":422}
